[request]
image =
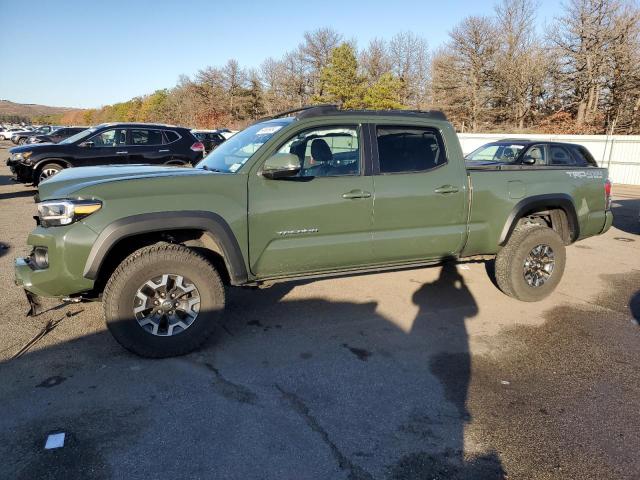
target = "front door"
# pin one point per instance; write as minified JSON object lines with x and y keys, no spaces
{"x":319,"y":220}
{"x":105,"y":148}
{"x":420,"y":211}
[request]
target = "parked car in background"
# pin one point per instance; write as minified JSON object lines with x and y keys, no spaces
{"x":107,"y":144}
{"x":226,"y":133}
{"x":7,"y":133}
{"x":55,"y":136}
{"x":20,"y":138}
{"x":531,"y":152}
{"x":210,"y":138}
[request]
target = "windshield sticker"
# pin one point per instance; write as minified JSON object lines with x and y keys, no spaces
{"x":269,"y":130}
{"x":234,"y":167}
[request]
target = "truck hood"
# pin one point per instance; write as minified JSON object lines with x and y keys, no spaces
{"x":72,"y":179}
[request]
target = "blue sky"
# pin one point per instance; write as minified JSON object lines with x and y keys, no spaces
{"x":92,"y":53}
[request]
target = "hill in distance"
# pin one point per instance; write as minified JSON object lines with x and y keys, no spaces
{"x":31,"y":110}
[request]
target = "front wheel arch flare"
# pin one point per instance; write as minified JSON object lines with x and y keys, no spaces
{"x":207,"y":222}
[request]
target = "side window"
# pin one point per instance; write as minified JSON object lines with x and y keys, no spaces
{"x":583,"y":156}
{"x":409,"y":149}
{"x":172,"y":136}
{"x":110,"y":138}
{"x":326,"y":152}
{"x":560,"y":156}
{"x":146,"y":137}
{"x":537,"y":153}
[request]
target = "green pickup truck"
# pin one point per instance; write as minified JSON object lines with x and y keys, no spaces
{"x":309,"y":193}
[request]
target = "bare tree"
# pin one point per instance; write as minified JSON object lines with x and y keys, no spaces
{"x":375,"y":60}
{"x":315,"y":52}
{"x":463,"y":72}
{"x":520,"y":62}
{"x":410,"y":62}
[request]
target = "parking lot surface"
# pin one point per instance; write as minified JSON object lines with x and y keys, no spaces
{"x":421,"y":374}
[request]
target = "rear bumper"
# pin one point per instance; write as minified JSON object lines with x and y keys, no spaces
{"x":608,"y":221}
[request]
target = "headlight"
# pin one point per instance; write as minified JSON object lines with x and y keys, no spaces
{"x":54,"y":213}
{"x":24,"y":156}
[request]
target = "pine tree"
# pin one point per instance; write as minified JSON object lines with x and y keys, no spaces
{"x":342,"y":83}
{"x":384,"y":94}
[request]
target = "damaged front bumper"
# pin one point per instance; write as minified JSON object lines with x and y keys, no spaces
{"x":35,"y":305}
{"x":21,"y":173}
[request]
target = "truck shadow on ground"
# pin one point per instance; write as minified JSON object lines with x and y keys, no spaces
{"x":626,"y":215}
{"x":18,"y":194}
{"x":332,"y":386}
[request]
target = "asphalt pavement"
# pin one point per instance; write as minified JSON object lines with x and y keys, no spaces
{"x":421,"y":374}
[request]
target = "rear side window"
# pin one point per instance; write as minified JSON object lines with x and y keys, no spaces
{"x":560,"y":156}
{"x":172,"y":136}
{"x":146,"y":137}
{"x":583,"y":156}
{"x":409,"y":149}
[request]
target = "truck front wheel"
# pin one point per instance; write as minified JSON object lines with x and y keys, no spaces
{"x":531,"y":264}
{"x":162,"y":301}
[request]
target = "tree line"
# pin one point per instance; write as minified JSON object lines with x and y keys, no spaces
{"x":495,"y":73}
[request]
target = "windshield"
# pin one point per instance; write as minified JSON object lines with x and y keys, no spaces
{"x":234,"y":153}
{"x":78,"y":136}
{"x":496,"y":152}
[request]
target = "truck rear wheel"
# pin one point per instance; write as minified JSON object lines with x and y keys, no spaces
{"x":531,"y":264}
{"x":164,"y":300}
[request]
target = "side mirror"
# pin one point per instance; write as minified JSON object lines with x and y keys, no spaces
{"x":528,"y":160}
{"x":281,"y":165}
{"x":87,"y":144}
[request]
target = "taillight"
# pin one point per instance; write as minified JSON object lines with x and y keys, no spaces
{"x":607,"y":194}
{"x":198,"y":147}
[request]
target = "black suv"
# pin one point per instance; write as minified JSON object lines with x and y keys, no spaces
{"x":107,"y":144}
{"x":55,"y":136}
{"x":531,"y":152}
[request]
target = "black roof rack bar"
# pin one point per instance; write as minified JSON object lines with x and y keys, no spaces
{"x":288,"y":113}
{"x":332,"y":109}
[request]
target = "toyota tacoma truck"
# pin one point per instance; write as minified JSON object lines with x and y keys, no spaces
{"x":310,"y":193}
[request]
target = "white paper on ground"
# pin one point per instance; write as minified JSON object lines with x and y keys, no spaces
{"x":55,"y":440}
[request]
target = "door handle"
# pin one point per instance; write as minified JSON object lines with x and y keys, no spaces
{"x":163,"y":151}
{"x":122,"y":152}
{"x":356,"y":194}
{"x":444,"y":189}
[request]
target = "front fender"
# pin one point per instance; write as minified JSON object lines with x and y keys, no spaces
{"x":167,"y":221}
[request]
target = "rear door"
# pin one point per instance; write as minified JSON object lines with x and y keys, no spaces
{"x":147,"y":145}
{"x":320,"y":220}
{"x":420,"y":194}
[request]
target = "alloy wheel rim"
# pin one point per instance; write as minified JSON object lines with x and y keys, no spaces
{"x":47,"y":172}
{"x":166,"y":305}
{"x":539,"y":265}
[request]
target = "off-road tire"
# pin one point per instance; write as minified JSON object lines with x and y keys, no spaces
{"x":509,"y":265}
{"x":149,"y":262}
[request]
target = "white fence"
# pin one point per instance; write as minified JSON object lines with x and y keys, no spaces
{"x":619,"y":153}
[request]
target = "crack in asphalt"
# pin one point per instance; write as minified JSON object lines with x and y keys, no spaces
{"x":297,"y":405}
{"x":230,"y":390}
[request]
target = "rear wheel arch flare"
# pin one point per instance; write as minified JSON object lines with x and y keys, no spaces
{"x":540,"y":203}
